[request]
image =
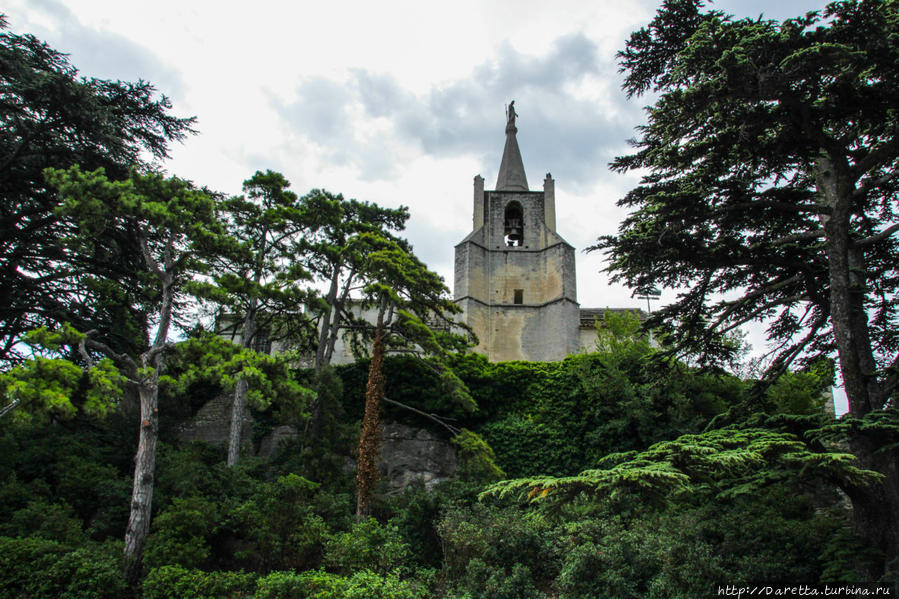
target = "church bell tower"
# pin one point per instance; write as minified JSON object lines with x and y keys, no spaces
{"x":514,"y":275}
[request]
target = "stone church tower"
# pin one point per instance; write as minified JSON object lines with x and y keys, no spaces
{"x":514,"y":275}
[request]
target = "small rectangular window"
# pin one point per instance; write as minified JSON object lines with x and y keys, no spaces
{"x":519,"y":296}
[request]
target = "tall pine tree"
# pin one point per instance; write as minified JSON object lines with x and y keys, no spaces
{"x":771,"y":162}
{"x":52,"y":117}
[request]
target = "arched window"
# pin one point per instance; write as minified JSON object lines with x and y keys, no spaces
{"x":513,"y":225}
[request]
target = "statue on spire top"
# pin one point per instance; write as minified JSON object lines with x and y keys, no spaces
{"x":511,"y":114}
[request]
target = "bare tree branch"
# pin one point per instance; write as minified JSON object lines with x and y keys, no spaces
{"x":433,"y":417}
{"x":123,"y":358}
{"x":878,"y":236}
{"x":9,"y":407}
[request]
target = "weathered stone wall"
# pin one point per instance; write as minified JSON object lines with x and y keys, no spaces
{"x":544,"y":275}
{"x":536,"y":234}
{"x":519,"y":332}
{"x":488,"y":273}
{"x":212,"y":423}
{"x":587,"y":339}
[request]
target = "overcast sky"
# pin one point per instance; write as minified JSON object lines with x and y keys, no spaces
{"x":391,"y":102}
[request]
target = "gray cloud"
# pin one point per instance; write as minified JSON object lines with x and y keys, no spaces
{"x":320,"y":114}
{"x":102,"y":54}
{"x":573,"y":138}
{"x":433,"y":245}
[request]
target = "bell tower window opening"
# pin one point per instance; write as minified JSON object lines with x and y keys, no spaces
{"x":518,"y":297}
{"x":513,"y":225}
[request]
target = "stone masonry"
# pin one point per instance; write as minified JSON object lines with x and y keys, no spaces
{"x":514,"y":274}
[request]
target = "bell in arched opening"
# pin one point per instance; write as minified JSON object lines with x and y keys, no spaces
{"x":513,"y":225}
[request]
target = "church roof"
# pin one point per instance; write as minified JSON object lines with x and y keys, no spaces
{"x":511,"y":170}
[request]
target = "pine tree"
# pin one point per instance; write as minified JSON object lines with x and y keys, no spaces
{"x":772,"y":169}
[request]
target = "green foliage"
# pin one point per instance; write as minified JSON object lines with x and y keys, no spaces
{"x":493,"y":552}
{"x":334,"y":250}
{"x":43,"y":569}
{"x":210,"y":359}
{"x":171,"y":582}
{"x":287,"y":585}
{"x":40,"y":519}
{"x":368,"y":545}
{"x":175,"y":582}
{"x":556,"y":417}
{"x":688,"y":550}
{"x":67,"y":472}
{"x":882,"y":428}
{"x":415,"y":513}
{"x":321,"y":585}
{"x":318,"y":454}
{"x":412,"y":381}
{"x":619,"y":337}
{"x":51,"y":117}
{"x":802,"y":392}
{"x":42,"y":386}
{"x":596,"y":550}
{"x":257,"y":282}
{"x":181,"y":533}
{"x":729,"y":462}
{"x":477,"y":461}
{"x":740,"y":152}
{"x":280,"y":521}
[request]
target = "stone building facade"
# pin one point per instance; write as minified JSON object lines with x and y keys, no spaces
{"x":514,"y":274}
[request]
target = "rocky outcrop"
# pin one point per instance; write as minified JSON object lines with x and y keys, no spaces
{"x":409,"y":455}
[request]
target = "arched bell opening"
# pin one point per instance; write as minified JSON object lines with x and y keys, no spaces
{"x":513,"y":225}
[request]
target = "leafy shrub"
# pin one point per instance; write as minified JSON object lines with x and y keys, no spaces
{"x":478,"y":462}
{"x":181,"y":533}
{"x":524,"y":445}
{"x":513,"y":581}
{"x":175,"y":582}
{"x":321,"y":585}
{"x":497,"y":552}
{"x":280,"y":522}
{"x":290,"y":585}
{"x":415,"y":513}
{"x":39,"y":568}
{"x":368,"y":545}
{"x":52,"y":521}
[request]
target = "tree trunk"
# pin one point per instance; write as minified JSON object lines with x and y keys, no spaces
{"x":321,"y":357}
{"x":237,"y":409}
{"x":875,"y":510}
{"x":370,"y":440}
{"x":145,"y":458}
{"x":240,"y":390}
{"x":848,"y":278}
{"x":337,"y":318}
{"x":144,"y":469}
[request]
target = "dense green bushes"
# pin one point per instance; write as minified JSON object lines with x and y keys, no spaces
{"x":43,"y":569}
{"x":284,"y":528}
{"x":172,"y":582}
{"x":175,"y":582}
{"x":594,"y":549}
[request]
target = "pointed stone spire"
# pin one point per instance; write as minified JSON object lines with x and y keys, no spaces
{"x":511,"y":170}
